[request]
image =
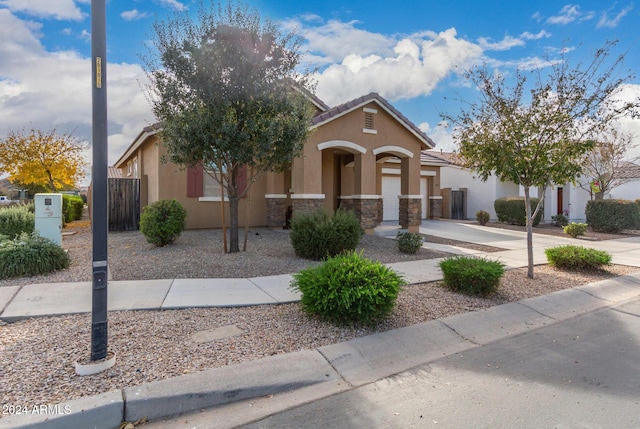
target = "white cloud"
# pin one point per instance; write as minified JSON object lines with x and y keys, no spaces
{"x":360,"y":62}
{"x":85,"y":35}
{"x":442,"y":136}
{"x":173,"y":4}
{"x":335,"y":40}
{"x":530,"y":36}
{"x":133,"y":15}
{"x":567,"y":15}
{"x":53,"y":89}
{"x":59,"y":9}
{"x":503,"y":45}
{"x":605,"y":21}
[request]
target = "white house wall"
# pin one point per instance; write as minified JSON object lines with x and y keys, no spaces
{"x":480,"y":195}
{"x":628,"y":191}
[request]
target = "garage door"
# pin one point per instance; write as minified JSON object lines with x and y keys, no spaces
{"x":391,"y":203}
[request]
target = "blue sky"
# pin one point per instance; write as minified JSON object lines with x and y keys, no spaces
{"x":409,"y":51}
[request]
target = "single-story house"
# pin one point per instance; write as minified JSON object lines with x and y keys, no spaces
{"x":478,"y":195}
{"x":363,"y":155}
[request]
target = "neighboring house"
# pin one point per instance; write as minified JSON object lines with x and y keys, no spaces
{"x":478,"y":195}
{"x":573,"y":199}
{"x":460,"y":182}
{"x":363,"y":155}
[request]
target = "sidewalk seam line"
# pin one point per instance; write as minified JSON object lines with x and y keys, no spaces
{"x":10,"y":300}
{"x":459,"y":334}
{"x":351,"y":386}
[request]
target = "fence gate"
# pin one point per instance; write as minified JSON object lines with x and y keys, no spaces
{"x":457,"y":205}
{"x":124,"y":204}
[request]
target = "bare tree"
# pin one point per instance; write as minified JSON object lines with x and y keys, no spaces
{"x":603,"y":167}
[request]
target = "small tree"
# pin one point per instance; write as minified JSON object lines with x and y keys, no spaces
{"x":603,"y":167}
{"x":228,"y":92}
{"x":43,"y":159}
{"x":536,"y":135}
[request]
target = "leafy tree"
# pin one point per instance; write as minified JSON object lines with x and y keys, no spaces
{"x":228,"y":92}
{"x":537,"y":134}
{"x":43,"y":159}
{"x":605,"y":164}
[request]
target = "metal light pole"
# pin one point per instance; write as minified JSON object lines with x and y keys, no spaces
{"x":99,"y":324}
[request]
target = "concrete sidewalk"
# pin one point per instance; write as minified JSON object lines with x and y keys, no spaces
{"x":308,"y":375}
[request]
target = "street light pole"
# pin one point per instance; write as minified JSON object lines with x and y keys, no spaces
{"x":99,"y":324}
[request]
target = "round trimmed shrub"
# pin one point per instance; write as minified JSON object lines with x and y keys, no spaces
{"x":482,"y":217}
{"x":163,"y":221}
{"x":30,"y":255}
{"x":409,"y":242}
{"x":471,"y":275}
{"x":577,"y":257}
{"x":348,"y":288}
{"x":317,"y":235}
{"x":575,"y":229}
{"x":15,"y":220}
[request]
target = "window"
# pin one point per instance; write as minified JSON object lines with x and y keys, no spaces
{"x":211,"y":185}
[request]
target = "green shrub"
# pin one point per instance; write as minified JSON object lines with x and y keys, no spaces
{"x":15,"y":220}
{"x":612,"y":215}
{"x":163,"y":221}
{"x":512,"y":210}
{"x":482,"y":217}
{"x":30,"y":255}
{"x":317,"y":235}
{"x":348,"y":288}
{"x":575,"y":230}
{"x":560,"y":220}
{"x":72,"y":206}
{"x":576,"y":257}
{"x":474,"y":276}
{"x":409,"y":242}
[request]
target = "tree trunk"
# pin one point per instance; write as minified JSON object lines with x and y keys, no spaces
{"x":529,"y":218}
{"x":233,"y":211}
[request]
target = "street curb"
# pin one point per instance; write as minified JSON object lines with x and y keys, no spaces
{"x":357,"y":362}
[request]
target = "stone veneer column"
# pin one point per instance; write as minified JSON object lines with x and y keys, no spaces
{"x":346,"y":203}
{"x":366,"y":209}
{"x":435,"y":207}
{"x":276,"y":210}
{"x":411,"y":212}
{"x":307,"y":203}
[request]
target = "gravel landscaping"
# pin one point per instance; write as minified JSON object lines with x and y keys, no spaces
{"x":38,"y":354}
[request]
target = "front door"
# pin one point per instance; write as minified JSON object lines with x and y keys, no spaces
{"x":560,"y":203}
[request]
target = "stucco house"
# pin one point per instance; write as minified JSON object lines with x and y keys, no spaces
{"x":363,"y":155}
{"x":560,"y":198}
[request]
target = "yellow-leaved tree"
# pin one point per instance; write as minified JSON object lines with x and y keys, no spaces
{"x":34,"y":157}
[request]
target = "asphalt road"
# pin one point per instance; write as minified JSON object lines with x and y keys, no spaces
{"x":581,"y":373}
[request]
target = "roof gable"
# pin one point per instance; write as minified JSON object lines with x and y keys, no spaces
{"x":348,"y":107}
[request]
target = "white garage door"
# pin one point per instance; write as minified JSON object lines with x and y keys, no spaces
{"x":391,"y":203}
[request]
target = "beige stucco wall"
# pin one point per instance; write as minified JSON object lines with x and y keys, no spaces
{"x":315,"y":172}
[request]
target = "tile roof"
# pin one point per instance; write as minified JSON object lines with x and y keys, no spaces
{"x":628,"y":170}
{"x":450,"y":157}
{"x":349,"y":106}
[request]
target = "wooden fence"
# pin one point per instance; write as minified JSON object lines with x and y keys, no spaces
{"x":124,"y":204}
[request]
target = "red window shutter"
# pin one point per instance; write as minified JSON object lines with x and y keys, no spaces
{"x":195,"y":181}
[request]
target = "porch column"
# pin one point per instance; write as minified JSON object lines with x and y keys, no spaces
{"x":365,"y":201}
{"x":410,"y":197}
{"x":306,"y":181}
{"x":276,"y":199}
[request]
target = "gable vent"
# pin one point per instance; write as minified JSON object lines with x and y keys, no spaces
{"x":369,"y":126}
